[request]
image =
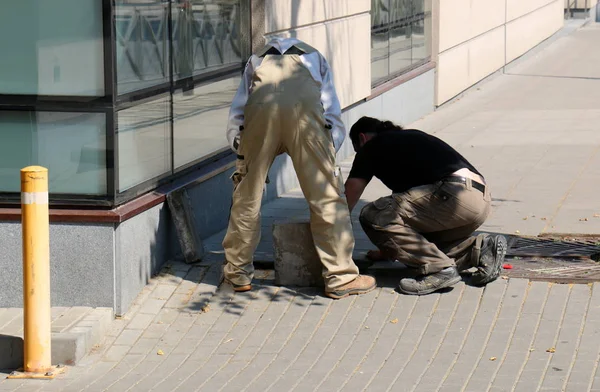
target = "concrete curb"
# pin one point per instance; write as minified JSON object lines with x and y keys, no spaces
{"x":75,"y":339}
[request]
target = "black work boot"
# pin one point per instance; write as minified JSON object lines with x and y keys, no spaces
{"x":427,"y":284}
{"x":490,"y":261}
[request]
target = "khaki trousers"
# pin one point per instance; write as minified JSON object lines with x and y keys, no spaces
{"x":429,"y":227}
{"x":284,"y":114}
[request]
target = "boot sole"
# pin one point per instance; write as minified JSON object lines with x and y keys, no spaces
{"x":346,"y":293}
{"x":448,"y":283}
{"x":500,"y":248}
{"x":242,"y":289}
{"x":237,"y":287}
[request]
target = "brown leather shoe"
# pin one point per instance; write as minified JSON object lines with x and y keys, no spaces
{"x":239,"y":288}
{"x":361,"y":285}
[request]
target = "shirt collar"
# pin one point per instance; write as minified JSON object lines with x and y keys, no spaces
{"x":283,"y":44}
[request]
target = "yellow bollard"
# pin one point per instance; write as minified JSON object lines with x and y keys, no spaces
{"x":36,"y":275}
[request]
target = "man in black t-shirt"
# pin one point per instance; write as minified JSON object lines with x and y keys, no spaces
{"x":438,"y":200}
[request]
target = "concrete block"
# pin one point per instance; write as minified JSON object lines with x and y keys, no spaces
{"x":68,"y":346}
{"x":187,"y":232}
{"x":11,"y":348}
{"x":296,"y":260}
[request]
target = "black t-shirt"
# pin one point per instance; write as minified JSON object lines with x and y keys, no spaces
{"x":404,"y":159}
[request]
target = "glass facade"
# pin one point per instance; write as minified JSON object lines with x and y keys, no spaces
{"x":71,"y":145}
{"x":144,"y":140}
{"x":46,"y":53}
{"x":199,"y":116}
{"x":118,"y":97}
{"x":142,"y":44}
{"x":400,"y":37}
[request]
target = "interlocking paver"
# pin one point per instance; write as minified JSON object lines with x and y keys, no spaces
{"x":307,"y":325}
{"x":562,"y":361}
{"x":522,"y":339}
{"x":281,"y":300}
{"x":301,"y":364}
{"x":341,"y":343}
{"x":417,"y":368}
{"x":128,"y":363}
{"x":162,"y":370}
{"x":363,"y":342}
{"x":503,"y":330}
{"x":407,"y":344}
{"x":545,"y":337}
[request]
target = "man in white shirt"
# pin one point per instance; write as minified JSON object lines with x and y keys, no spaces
{"x":287,"y":102}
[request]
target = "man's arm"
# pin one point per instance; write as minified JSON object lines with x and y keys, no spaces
{"x":354,"y":190}
{"x":236,"y":112}
{"x":331,"y":105}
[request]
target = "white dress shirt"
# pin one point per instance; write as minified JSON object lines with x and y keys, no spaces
{"x":320,"y":71}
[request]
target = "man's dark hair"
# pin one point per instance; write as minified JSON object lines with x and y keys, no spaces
{"x":371,"y":125}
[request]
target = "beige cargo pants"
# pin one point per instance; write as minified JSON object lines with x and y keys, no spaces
{"x":284,"y":114}
{"x":429,"y":227}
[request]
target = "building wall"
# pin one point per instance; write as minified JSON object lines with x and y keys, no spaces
{"x":82,"y":265}
{"x":141,"y":245}
{"x":339,"y":29}
{"x":475,"y":38}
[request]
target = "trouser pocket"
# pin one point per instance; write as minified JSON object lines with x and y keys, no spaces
{"x":379,"y":213}
{"x":339,"y":180}
{"x":240,"y":172}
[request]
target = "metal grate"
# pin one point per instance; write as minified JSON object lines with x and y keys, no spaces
{"x":548,"y":247}
{"x":554,"y":270}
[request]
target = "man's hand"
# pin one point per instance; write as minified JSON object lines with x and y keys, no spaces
{"x":354,"y":190}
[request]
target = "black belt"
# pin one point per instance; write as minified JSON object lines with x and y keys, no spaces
{"x":463,"y":180}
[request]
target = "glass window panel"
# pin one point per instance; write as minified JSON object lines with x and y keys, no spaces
{"x":144,"y":142}
{"x":400,"y":37}
{"x":206,"y":36}
{"x":379,"y":40}
{"x":51,"y":47}
{"x":71,"y":145}
{"x":401,"y":13}
{"x":421,"y":32}
{"x":400,"y":48}
{"x":142,"y":44}
{"x":199,"y":118}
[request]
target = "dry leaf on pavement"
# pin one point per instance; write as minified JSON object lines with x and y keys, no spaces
{"x":206,"y":309}
{"x":160,"y":352}
{"x":551,"y":350}
{"x":492,"y":358}
{"x":394,"y":321}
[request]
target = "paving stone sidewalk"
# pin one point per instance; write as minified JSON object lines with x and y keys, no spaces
{"x":185,"y":335}
{"x":534,"y":133}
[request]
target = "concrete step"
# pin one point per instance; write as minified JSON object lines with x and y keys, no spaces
{"x":75,"y":331}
